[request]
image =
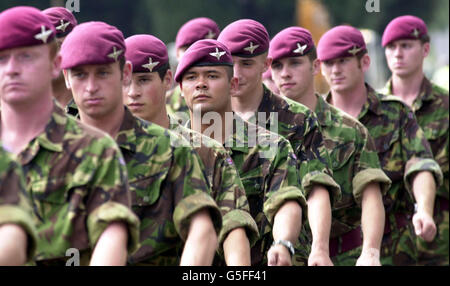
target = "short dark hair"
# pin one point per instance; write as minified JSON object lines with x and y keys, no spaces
{"x":162,"y":71}
{"x":122,"y":62}
{"x":425,"y":39}
{"x":312,"y":54}
{"x":53,"y":49}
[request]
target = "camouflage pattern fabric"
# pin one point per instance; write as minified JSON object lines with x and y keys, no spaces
{"x":14,"y":203}
{"x":355,"y":165}
{"x":225,"y":183}
{"x":403,"y":151}
{"x":71,"y":108}
{"x":176,"y":105}
{"x":267,"y":168}
{"x":300,"y":126}
{"x":77,"y":182}
{"x":167,"y":187}
{"x":431,"y":109}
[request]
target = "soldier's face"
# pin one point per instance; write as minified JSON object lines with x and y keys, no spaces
{"x":405,"y":57}
{"x":208,"y":88}
{"x":145,"y":96}
{"x":249,"y":72}
{"x":343,"y":74}
{"x":294,"y":75}
{"x":26,"y":73}
{"x":96,"y":89}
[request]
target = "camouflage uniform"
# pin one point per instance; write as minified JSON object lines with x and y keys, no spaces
{"x":403,"y":151}
{"x":355,"y":165}
{"x":167,"y":187}
{"x":71,"y":108}
{"x":176,"y":105}
{"x":226,"y":185}
{"x":268,"y":172}
{"x":14,"y":204}
{"x":77,"y":181}
{"x":300,"y":126}
{"x":431,"y":110}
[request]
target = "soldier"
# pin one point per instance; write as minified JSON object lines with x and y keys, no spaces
{"x":145,"y":98}
{"x":248,"y":42}
{"x":168,"y":189}
{"x":75,"y":175}
{"x":404,"y":153}
{"x":192,"y":31}
{"x":407,"y":44}
{"x":265,"y":161}
{"x":356,"y":165}
{"x":18,"y":237}
{"x":64,"y":22}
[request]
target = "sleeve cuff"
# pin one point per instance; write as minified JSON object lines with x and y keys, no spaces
{"x":235,"y":219}
{"x":315,"y":178}
{"x":15,"y":215}
{"x":367,"y":176}
{"x":416,"y":165}
{"x":189,"y":206}
{"x":110,"y":212}
{"x":277,"y":199}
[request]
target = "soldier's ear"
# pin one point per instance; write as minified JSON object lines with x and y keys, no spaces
{"x":234,"y":85}
{"x":267,"y":63}
{"x":168,"y":78}
{"x":426,"y":49}
{"x":56,"y":66}
{"x":316,"y":67}
{"x":127,"y":73}
{"x":66,"y":78}
{"x":365,"y":63}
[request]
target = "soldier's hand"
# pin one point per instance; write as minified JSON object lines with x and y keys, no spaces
{"x":319,"y":258}
{"x":370,"y":257}
{"x":278,"y":255}
{"x":424,"y":226}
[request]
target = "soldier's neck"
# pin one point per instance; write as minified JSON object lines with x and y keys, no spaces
{"x":61,"y":93}
{"x":407,"y":87}
{"x":247,"y":104}
{"x":161,"y":118}
{"x":307,"y":98}
{"x":109,"y":123}
{"x":350,"y":101}
{"x":22,"y":123}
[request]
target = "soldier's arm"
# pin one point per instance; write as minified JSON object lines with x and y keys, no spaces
{"x":422,"y":174}
{"x":319,"y":215}
{"x":18,"y":237}
{"x":372,"y":224}
{"x":286,"y":226}
{"x":424,"y":188}
{"x":236,"y":248}
{"x":201,"y":242}
{"x":13,"y":245}
{"x":111,"y":248}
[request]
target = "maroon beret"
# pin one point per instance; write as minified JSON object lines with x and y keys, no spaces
{"x":341,"y":41}
{"x":404,"y":27}
{"x":245,"y":38}
{"x":62,"y":19}
{"x":147,"y":53}
{"x":204,"y":53}
{"x":291,"y":42}
{"x":24,"y":26}
{"x":196,"y":29}
{"x":92,"y":43}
